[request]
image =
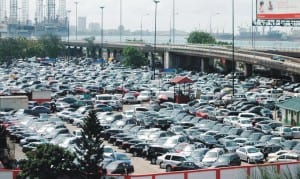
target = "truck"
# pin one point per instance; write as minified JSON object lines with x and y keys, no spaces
{"x":13,"y":102}
{"x":41,"y":96}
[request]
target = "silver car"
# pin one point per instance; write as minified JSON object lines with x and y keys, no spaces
{"x":296,"y":132}
{"x":250,"y":154}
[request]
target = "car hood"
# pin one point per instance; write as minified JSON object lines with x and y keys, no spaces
{"x":255,"y":154}
{"x":209,"y":159}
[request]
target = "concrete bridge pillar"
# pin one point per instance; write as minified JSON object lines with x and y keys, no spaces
{"x":108,"y":53}
{"x":167,"y":60}
{"x":100,"y":52}
{"x":114,"y":54}
{"x":248,"y":69}
{"x":204,"y":65}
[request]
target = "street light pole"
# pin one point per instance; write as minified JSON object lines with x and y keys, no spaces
{"x":233,"y":60}
{"x":76,"y":3}
{"x":155,"y":19}
{"x":68,"y":57}
{"x":102,"y":7}
{"x":121,"y":27}
{"x":173,"y":21}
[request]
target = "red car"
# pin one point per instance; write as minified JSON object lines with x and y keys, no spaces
{"x":202,"y":113}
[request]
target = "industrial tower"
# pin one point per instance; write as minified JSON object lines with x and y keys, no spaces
{"x":62,"y":11}
{"x":51,"y":11}
{"x":25,"y":12}
{"x":3,"y":13}
{"x":39,"y":12}
{"x":13,"y":12}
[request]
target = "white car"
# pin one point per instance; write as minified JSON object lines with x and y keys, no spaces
{"x":144,"y":96}
{"x":212,"y":156}
{"x":250,"y":154}
{"x":246,"y":115}
{"x":287,"y":157}
{"x":272,"y":156}
{"x":296,"y":132}
{"x":285,"y":132}
{"x":244,"y":123}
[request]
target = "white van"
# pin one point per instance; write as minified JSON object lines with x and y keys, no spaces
{"x":105,"y":98}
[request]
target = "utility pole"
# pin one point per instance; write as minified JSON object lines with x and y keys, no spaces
{"x":68,"y":16}
{"x":233,"y":60}
{"x":102,"y":7}
{"x":153,"y":55}
{"x":121,"y":26}
{"x":174,"y":22}
{"x":76,"y":3}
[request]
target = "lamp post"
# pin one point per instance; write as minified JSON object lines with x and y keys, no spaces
{"x":121,"y":27}
{"x":102,"y":7}
{"x":142,"y":26}
{"x":233,"y":60}
{"x":210,"y":22}
{"x":68,"y":51}
{"x":155,"y":18}
{"x":173,"y":22}
{"x":76,"y":3}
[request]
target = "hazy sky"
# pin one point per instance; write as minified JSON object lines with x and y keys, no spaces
{"x":190,"y":14}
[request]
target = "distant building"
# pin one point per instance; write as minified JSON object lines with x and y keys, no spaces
{"x":25,"y":12}
{"x":81,"y":24}
{"x":94,"y":27}
{"x":62,"y":11}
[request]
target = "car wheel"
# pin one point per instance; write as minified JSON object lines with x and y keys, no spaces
{"x":135,"y":154}
{"x":168,"y":168}
{"x":248,"y":160}
{"x":78,"y":125}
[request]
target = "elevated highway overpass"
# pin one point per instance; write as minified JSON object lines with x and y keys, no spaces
{"x":174,"y":56}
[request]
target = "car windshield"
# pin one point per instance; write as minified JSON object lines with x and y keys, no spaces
{"x":252,"y":150}
{"x":122,"y":157}
{"x":212,"y":154}
{"x":245,"y":122}
{"x":108,"y":150}
{"x":287,"y":130}
{"x":208,"y":138}
{"x":197,"y":153}
{"x":231,"y":144}
{"x":265,"y":127}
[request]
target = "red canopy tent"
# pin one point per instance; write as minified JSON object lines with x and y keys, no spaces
{"x":181,"y":80}
{"x":180,"y":97}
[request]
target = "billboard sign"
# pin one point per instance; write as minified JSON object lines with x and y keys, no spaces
{"x":278,"y":9}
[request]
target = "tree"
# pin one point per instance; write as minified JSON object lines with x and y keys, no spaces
{"x":133,"y":57}
{"x":48,"y":161}
{"x":90,"y":147}
{"x":201,"y":38}
{"x":51,"y":45}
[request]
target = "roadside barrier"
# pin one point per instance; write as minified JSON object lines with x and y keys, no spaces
{"x":285,"y":170}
